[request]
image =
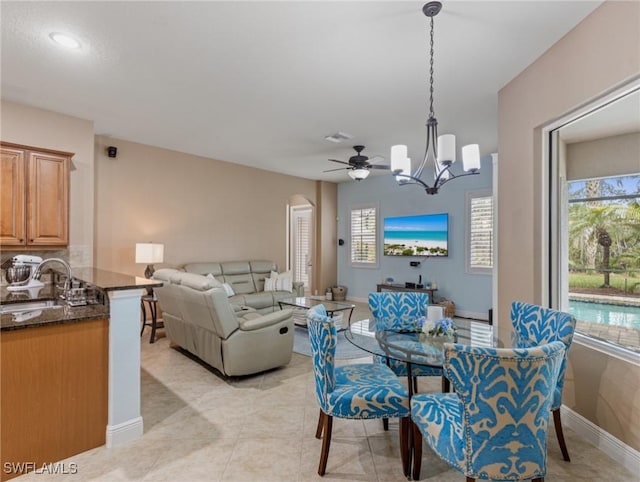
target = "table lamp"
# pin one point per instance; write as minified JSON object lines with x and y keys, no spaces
{"x":149,"y":253}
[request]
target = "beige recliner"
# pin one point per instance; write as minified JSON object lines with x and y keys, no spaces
{"x":237,"y":341}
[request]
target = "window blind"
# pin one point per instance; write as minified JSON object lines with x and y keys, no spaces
{"x":364,"y":236}
{"x":481,"y":232}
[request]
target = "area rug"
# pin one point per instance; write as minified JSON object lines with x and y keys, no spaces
{"x":344,"y":348}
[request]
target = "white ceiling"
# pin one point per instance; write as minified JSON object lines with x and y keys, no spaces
{"x":262,"y":83}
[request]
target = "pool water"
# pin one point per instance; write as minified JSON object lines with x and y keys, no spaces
{"x":605,"y":314}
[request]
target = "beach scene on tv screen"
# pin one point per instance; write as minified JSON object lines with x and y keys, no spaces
{"x":420,"y":235}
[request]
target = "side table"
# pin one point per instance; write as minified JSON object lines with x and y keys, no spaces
{"x":152,"y":302}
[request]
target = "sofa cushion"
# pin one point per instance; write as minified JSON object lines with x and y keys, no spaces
{"x":198,"y":282}
{"x":241,"y":283}
{"x":259,"y":300}
{"x":204,"y":268}
{"x":170,"y":275}
{"x":235,"y":267}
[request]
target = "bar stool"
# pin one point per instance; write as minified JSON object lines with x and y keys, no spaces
{"x":154,"y":323}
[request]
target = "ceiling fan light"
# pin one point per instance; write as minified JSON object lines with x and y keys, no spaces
{"x":358,"y":174}
{"x":471,"y":157}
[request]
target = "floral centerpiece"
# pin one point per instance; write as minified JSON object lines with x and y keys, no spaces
{"x":443,"y":328}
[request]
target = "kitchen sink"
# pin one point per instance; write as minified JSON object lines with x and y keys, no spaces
{"x":20,"y":307}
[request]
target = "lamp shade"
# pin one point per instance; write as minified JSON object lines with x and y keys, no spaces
{"x":398,"y":156}
{"x":471,"y":157}
{"x":149,"y":253}
{"x":446,"y":149}
{"x":358,"y":174}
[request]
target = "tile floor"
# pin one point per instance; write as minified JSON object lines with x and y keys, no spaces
{"x":199,"y":427}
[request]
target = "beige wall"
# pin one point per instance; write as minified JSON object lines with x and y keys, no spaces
{"x":600,"y":53}
{"x":326,"y":237}
{"x":201,"y":209}
{"x":41,"y":128}
{"x":609,"y":156}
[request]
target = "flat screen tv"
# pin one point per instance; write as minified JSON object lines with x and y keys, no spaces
{"x":419,"y":235}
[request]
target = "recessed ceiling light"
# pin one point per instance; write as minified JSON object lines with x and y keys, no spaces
{"x":338,"y":137}
{"x":64,"y":40}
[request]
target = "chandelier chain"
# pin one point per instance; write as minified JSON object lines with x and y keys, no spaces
{"x":431,"y":113}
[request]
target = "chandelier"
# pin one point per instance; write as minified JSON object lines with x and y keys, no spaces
{"x":440,"y":151}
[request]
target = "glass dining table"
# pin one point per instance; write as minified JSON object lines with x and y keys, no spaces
{"x":416,"y":348}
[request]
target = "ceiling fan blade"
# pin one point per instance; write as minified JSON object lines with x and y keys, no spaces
{"x":338,"y":169}
{"x":375,"y":159}
{"x":379,"y":166}
{"x":341,"y":162}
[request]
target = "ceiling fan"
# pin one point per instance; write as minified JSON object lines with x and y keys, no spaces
{"x":359,"y":165}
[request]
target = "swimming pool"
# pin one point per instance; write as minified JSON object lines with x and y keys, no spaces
{"x":605,"y":314}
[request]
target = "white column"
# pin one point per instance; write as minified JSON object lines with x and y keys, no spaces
{"x":125,"y":420}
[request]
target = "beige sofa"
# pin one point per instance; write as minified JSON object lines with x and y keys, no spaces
{"x":237,"y":341}
{"x":247,"y":281}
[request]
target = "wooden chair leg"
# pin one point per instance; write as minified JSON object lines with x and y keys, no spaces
{"x":417,"y":451}
{"x":319,"y":427}
{"x":385,"y":424}
{"x":471,"y":479}
{"x":326,"y":443}
{"x":560,"y":434}
{"x":415,"y":384}
{"x":445,"y":384}
{"x":405,"y":426}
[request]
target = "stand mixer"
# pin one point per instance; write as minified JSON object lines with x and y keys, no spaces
{"x":32,"y":262}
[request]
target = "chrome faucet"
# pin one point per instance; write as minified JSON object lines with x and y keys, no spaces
{"x":38,"y":272}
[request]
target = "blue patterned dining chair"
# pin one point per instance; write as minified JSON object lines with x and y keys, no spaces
{"x":357,"y":391}
{"x":398,"y":311}
{"x":495,"y":424}
{"x":535,"y":325}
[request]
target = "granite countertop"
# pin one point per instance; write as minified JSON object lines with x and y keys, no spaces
{"x":101,"y":279}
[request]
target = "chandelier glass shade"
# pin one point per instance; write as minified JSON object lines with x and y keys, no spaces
{"x":440,"y":150}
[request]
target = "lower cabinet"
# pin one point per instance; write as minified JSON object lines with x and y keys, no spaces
{"x":54,"y":389}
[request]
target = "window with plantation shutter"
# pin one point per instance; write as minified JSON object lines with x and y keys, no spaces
{"x":364,"y":236}
{"x":302,"y":249}
{"x":479,"y":236}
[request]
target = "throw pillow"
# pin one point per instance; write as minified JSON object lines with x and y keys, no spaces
{"x":283,"y":281}
{"x":270,"y":284}
{"x":227,"y":287}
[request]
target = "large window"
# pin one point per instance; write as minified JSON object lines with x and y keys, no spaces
{"x":604,"y":258}
{"x":479,"y":238}
{"x":594,"y":223}
{"x":364,"y":236}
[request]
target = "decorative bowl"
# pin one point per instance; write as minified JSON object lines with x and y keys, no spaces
{"x":17,"y":274}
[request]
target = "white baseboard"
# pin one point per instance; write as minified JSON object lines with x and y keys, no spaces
{"x":124,"y":432}
{"x":626,"y":456}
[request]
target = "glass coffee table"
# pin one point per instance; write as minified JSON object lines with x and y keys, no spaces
{"x":303,"y":303}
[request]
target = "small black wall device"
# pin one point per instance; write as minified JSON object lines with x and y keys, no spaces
{"x":112,"y":151}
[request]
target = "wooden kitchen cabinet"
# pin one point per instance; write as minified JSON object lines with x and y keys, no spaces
{"x":34,"y":208}
{"x":55,"y":387}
